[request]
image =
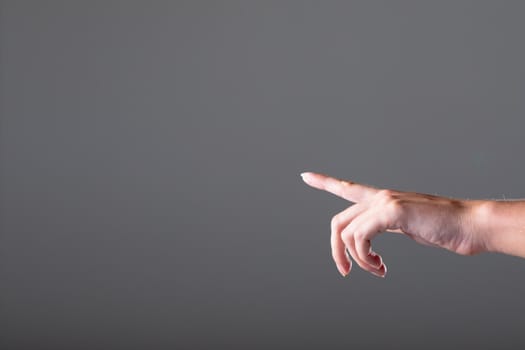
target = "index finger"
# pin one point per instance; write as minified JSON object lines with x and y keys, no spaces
{"x":348,"y":190}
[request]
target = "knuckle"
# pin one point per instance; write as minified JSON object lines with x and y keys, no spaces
{"x":359,"y":237}
{"x":346,"y":236}
{"x":347,"y":182}
{"x":395,"y":206}
{"x":336,"y":221}
{"x":390,"y":200}
{"x":385,"y":192}
{"x":385,"y":196}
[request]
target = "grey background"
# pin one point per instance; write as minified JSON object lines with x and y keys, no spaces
{"x":150,"y":155}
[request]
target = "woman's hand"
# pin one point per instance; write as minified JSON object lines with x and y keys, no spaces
{"x":430,"y":220}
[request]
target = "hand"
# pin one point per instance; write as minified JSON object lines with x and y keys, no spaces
{"x":430,"y":220}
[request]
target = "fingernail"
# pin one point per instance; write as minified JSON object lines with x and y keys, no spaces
{"x":382,"y":275}
{"x":341,"y":271}
{"x":304,"y":176}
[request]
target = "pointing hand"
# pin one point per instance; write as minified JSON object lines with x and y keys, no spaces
{"x":430,"y":220}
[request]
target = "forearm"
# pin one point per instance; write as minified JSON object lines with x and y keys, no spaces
{"x":501,"y":224}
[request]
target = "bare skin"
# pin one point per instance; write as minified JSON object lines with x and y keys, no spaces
{"x":465,"y":227}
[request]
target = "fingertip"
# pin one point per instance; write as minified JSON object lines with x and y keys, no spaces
{"x":306,"y":176}
{"x":341,"y":270}
{"x":344,"y":269}
{"x":348,"y":266}
{"x":381,"y":271}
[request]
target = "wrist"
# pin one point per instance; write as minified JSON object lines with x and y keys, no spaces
{"x":501,"y":224}
{"x":480,"y":216}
